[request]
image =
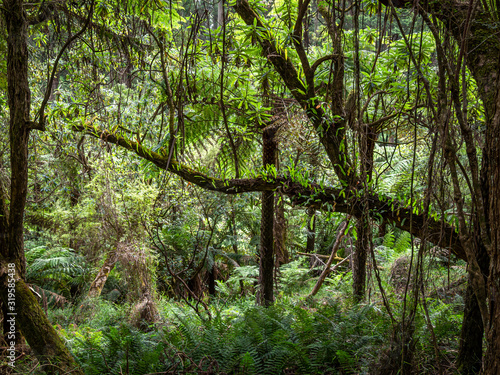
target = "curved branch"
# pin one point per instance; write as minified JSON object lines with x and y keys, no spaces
{"x":319,"y":61}
{"x":299,"y":47}
{"x":313,"y":195}
{"x":40,"y":115}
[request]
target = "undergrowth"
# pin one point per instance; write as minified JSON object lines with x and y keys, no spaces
{"x":295,"y":337}
{"x":328,"y":334}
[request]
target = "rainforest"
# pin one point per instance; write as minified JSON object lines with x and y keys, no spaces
{"x":250,"y":187}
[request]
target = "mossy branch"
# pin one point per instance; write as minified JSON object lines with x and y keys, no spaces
{"x":311,"y":194}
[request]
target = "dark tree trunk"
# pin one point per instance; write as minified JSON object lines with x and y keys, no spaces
{"x":232,"y":227}
{"x":492,"y":356}
{"x":280,"y":228}
{"x":266,"y":263}
{"x":359,"y":258}
{"x":471,"y":340}
{"x":211,"y":281}
{"x":470,"y":353}
{"x":363,"y":225}
{"x":30,"y":318}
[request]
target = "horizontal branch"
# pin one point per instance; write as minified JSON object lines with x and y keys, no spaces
{"x":312,"y":195}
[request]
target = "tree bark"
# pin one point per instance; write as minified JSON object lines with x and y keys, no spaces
{"x":36,"y":328}
{"x":359,"y":258}
{"x":220,"y":13}
{"x":19,"y":109}
{"x":471,"y":338}
{"x":470,"y":353}
{"x":492,"y":328}
{"x":266,"y":249}
{"x":29,"y":318}
{"x":280,"y":230}
{"x":97,"y":285}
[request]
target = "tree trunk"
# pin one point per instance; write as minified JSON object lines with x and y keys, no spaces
{"x":29,"y":318}
{"x":232,"y":226}
{"x":363,"y":225}
{"x":471,"y":340}
{"x":279,"y":229}
{"x":470,"y":353}
{"x":220,"y":13}
{"x":266,"y":262}
{"x":359,"y":258}
{"x":38,"y":331}
{"x":19,"y":108}
{"x":102,"y":276}
{"x":492,"y":356}
{"x":211,"y":280}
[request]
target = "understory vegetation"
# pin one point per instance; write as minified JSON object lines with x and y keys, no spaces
{"x":326,"y":334}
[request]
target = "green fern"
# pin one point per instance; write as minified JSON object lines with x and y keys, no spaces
{"x":121,"y":350}
{"x":389,"y":240}
{"x":56,"y":269}
{"x":402,"y":243}
{"x":281,"y":339}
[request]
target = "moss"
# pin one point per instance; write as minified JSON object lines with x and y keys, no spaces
{"x":40,"y":335}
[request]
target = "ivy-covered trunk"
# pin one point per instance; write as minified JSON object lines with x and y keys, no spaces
{"x":30,"y":318}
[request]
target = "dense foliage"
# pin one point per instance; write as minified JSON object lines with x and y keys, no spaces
{"x":179,"y":179}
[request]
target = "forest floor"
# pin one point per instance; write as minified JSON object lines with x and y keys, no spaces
{"x":326,"y":334}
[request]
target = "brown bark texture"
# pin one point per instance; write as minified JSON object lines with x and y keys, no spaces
{"x":359,"y":258}
{"x":102,"y":276}
{"x":280,"y":232}
{"x":30,"y":318}
{"x":36,"y":328}
{"x":266,"y":248}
